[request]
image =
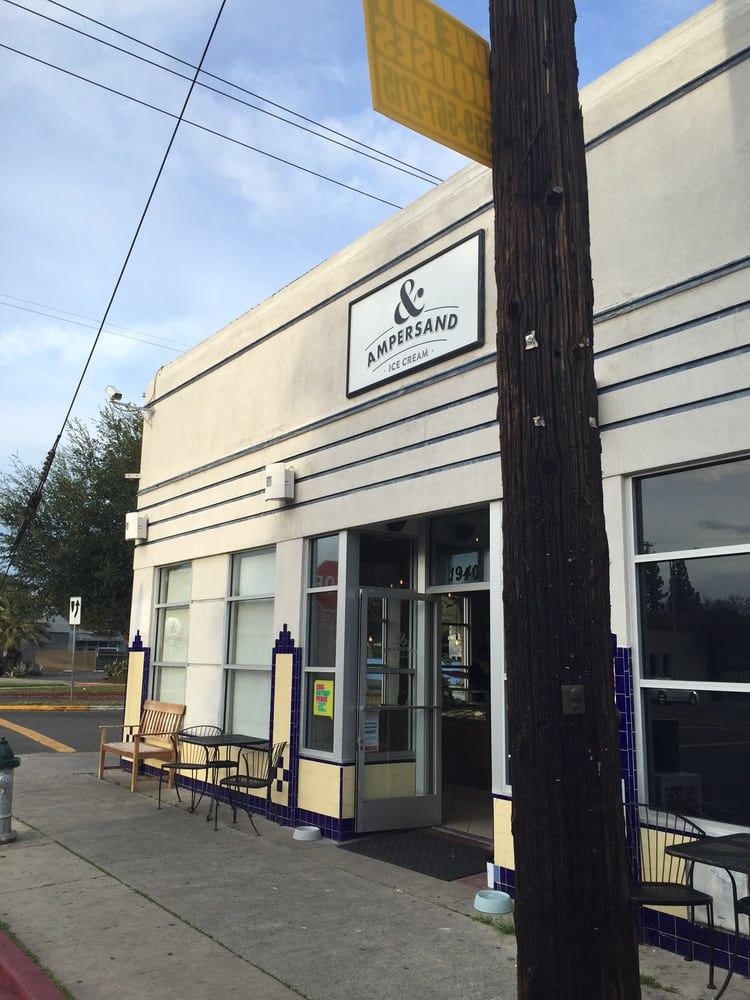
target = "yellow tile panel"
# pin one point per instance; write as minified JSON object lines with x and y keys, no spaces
{"x":133,"y":689}
{"x":319,"y":787}
{"x":504,"y":855}
{"x":282,"y":709}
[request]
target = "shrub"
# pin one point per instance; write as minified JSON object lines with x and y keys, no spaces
{"x":25,"y":670}
{"x":117,"y":671}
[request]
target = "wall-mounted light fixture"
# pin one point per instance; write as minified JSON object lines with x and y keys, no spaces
{"x":278,"y":481}
{"x":136,"y":527}
{"x":115,"y":398}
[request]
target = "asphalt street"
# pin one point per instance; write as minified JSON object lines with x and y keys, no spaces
{"x":76,"y":730}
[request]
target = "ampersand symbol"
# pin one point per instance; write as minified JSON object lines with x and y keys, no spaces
{"x":408,"y":301}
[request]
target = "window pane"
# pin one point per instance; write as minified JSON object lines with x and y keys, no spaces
{"x":254,"y":573}
{"x":170,"y":684}
{"x":321,"y":641}
{"x":318,"y":728}
{"x":459,"y":548}
{"x":695,"y":508}
{"x":324,"y":561}
{"x":249,"y":702}
{"x":696,"y":619}
{"x":699,"y":759}
{"x":175,"y":585}
{"x":252,"y":633}
{"x":172,"y":631}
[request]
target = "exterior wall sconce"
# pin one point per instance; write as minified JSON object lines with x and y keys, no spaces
{"x":136,"y":527}
{"x":279,"y":481}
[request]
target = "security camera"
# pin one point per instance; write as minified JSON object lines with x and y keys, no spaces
{"x":113,"y":395}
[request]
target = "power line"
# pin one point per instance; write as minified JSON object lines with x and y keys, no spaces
{"x":409,"y":170}
{"x":203,"y":128}
{"x":92,"y":326}
{"x":110,"y":328}
{"x":36,"y":496}
{"x":244,"y":90}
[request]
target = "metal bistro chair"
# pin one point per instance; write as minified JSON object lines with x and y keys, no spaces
{"x":192,"y":765}
{"x":259,"y":767}
{"x":660,"y":879}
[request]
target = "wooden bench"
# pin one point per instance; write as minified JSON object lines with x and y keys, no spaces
{"x":155,"y":736}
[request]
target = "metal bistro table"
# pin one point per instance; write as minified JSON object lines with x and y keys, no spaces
{"x":732,"y":853}
{"x":214,"y":743}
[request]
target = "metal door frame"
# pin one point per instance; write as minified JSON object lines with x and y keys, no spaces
{"x":404,"y":811}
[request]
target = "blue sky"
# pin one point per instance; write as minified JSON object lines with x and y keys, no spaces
{"x":227,"y":226}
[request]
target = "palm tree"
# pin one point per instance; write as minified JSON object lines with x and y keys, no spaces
{"x":17,"y":626}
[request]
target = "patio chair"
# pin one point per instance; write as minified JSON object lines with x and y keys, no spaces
{"x":256,"y":770}
{"x":190,"y":759}
{"x":660,"y":879}
{"x":743,"y":908}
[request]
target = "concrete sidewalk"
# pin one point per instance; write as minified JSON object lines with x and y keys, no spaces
{"x":119,"y":899}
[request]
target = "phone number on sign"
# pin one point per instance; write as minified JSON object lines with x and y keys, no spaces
{"x":466,"y":125}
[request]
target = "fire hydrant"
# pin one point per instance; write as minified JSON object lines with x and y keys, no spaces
{"x":7,"y":763}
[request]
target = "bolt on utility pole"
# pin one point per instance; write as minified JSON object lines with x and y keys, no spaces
{"x":574,"y":925}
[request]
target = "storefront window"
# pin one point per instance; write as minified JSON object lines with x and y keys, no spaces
{"x":172,"y":613}
{"x":695,"y":638}
{"x":248,"y":702}
{"x":322,"y":628}
{"x":699,"y":752}
{"x":696,"y":619}
{"x":324,"y":562}
{"x":460,"y":548}
{"x":319,"y":701}
{"x":250,"y":642}
{"x":694,"y":508}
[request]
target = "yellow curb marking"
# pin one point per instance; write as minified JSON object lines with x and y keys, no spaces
{"x":38,"y":737}
{"x":51,"y":708}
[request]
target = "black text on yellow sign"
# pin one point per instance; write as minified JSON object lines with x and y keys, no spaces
{"x":430,"y":72}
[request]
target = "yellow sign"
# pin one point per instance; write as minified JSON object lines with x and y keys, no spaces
{"x":430,"y":72}
{"x":323,"y":698}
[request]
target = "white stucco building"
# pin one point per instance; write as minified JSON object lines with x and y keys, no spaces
{"x":385,"y":565}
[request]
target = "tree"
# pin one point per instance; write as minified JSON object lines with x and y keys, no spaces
{"x":653,"y":585}
{"x":574,"y":924}
{"x":683,"y":598}
{"x":19,"y":623}
{"x":75,"y":543}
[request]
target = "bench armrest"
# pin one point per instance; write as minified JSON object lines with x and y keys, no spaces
{"x":132,"y":731}
{"x":104,"y":732}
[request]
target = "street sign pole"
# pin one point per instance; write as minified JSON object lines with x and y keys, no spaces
{"x":74,"y":619}
{"x":73,"y":664}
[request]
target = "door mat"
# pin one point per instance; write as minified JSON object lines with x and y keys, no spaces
{"x":423,"y":851}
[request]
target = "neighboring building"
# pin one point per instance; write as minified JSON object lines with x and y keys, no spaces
{"x":53,"y":654}
{"x":373,"y":377}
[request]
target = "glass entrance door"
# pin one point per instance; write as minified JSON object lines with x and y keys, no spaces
{"x":398,"y":764}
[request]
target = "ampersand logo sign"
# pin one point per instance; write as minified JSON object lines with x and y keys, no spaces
{"x":408,"y":302}
{"x":426,"y":314}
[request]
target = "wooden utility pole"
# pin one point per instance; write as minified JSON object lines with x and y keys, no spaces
{"x":575,"y":929}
